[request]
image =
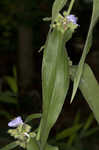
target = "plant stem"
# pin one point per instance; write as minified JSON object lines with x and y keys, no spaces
{"x":38,"y":133}
{"x":70,"y":6}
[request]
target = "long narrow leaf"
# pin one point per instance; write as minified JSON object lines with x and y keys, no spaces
{"x":12,"y":83}
{"x":32,"y":116}
{"x":91,"y":132}
{"x":10,"y":146}
{"x":95,"y":17}
{"x":55,"y":81}
{"x":6,"y":97}
{"x":68,"y":132}
{"x":89,"y":88}
{"x":88,"y":122}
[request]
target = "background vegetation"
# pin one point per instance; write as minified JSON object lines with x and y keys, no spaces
{"x":23,"y":32}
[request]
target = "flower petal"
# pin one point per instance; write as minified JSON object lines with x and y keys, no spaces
{"x":72,"y":19}
{"x":15,"y":122}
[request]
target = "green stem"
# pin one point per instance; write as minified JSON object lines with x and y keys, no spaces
{"x":38,"y":133}
{"x":70,"y":7}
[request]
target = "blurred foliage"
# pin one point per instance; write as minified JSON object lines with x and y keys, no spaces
{"x":34,"y":10}
{"x":71,"y":138}
{"x":12,"y":13}
{"x":12,"y":81}
{"x":9,"y":96}
{"x":7,"y":24}
{"x":78,"y":136}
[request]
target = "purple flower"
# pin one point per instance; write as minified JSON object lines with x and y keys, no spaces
{"x":72,"y":18}
{"x":15,"y":122}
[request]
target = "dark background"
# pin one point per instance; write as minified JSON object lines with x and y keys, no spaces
{"x":22,"y":33}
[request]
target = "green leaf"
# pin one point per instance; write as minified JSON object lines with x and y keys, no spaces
{"x":7,"y":97}
{"x":50,"y":147}
{"x":68,"y":132}
{"x":33,"y":116}
{"x":88,"y":122}
{"x":95,"y":17}
{"x":6,"y":114}
{"x":55,"y":81}
{"x":14,"y":71}
{"x":71,"y":139}
{"x":10,"y":146}
{"x":32,"y":145}
{"x":91,"y":132}
{"x":57,"y":6}
{"x":74,"y":135}
{"x":89,"y":88}
{"x":12,"y":83}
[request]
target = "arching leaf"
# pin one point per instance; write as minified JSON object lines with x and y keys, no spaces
{"x":95,"y":17}
{"x":89,"y":88}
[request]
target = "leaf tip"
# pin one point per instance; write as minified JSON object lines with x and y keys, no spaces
{"x":71,"y":100}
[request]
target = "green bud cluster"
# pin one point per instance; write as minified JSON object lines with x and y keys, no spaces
{"x":22,"y":134}
{"x":62,"y":23}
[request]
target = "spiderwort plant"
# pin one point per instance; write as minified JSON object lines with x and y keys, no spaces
{"x":55,"y":73}
{"x":21,"y":131}
{"x":57,"y":70}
